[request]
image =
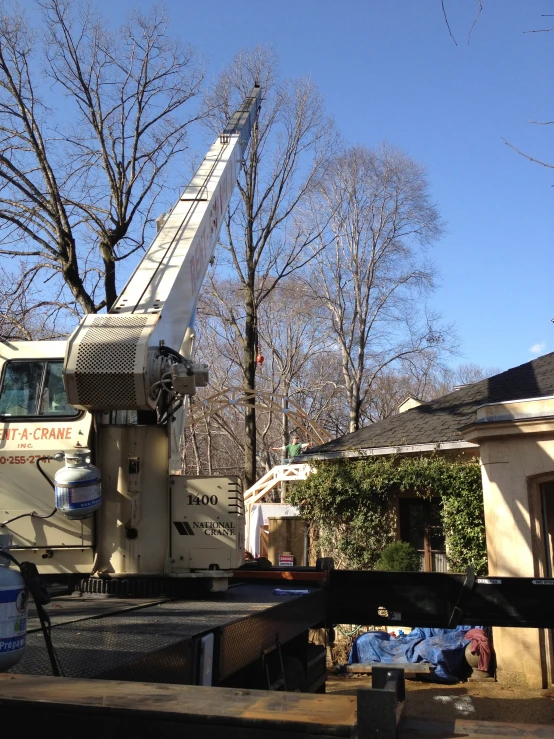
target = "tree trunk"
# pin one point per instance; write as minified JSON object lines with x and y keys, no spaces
{"x":354,"y":407}
{"x":209,"y":447}
{"x":109,"y":275}
{"x":352,"y":395}
{"x":196,"y":451}
{"x":285,"y":437}
{"x":75,"y":283}
{"x":250,"y":342}
{"x":285,"y":421}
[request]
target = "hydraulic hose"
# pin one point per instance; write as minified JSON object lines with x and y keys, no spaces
{"x":34,"y":514}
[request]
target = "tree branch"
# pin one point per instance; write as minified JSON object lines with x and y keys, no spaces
{"x":530,"y":158}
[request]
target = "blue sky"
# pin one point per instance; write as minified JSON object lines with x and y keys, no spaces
{"x":388,"y":69}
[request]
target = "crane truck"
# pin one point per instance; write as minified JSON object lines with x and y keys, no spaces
{"x":117,"y":388}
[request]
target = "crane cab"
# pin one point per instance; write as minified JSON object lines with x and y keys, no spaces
{"x":36,"y":421}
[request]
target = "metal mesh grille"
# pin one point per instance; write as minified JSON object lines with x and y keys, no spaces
{"x":106,"y":359}
{"x":175,"y":664}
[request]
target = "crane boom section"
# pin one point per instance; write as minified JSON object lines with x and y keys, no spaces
{"x":168,"y":280}
{"x":109,"y":361}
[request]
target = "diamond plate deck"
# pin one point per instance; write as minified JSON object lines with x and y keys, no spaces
{"x":154,"y":641}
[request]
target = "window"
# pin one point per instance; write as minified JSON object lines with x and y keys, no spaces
{"x":34,"y":388}
{"x":547,"y":505}
{"x":421,"y":525}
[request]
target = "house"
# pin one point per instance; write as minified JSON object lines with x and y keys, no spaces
{"x":508,"y":420}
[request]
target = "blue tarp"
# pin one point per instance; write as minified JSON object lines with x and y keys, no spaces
{"x":443,"y":648}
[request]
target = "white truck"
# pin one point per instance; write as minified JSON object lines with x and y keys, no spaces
{"x":118,"y":387}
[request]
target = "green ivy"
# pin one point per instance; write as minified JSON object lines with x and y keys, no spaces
{"x":349,"y":502}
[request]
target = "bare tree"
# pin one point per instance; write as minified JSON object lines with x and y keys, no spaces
{"x":425,"y":377}
{"x":293,"y":388}
{"x":324,"y":397}
{"x":26,"y":313}
{"x":292,"y":335}
{"x":451,"y":378}
{"x":218,"y":349}
{"x":79,"y":174}
{"x":417,"y":379}
{"x":372,"y":278}
{"x":267,"y":238}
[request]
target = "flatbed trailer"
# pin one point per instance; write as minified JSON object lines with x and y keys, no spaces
{"x":246,"y":636}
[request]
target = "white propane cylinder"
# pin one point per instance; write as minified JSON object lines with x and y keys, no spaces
{"x":77,"y":485}
{"x":13,"y":611}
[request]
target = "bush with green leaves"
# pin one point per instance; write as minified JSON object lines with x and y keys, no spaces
{"x":399,"y":556}
{"x":349,"y":502}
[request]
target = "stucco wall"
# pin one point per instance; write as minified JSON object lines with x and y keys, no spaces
{"x":513,"y":457}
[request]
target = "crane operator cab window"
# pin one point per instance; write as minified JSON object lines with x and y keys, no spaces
{"x":34,"y":388}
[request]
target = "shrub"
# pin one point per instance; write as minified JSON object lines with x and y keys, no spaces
{"x":399,"y":556}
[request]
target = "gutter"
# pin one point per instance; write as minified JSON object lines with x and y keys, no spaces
{"x":384,"y":450}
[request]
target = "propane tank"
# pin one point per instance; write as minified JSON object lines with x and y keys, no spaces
{"x":77,"y":485}
{"x":13,"y":610}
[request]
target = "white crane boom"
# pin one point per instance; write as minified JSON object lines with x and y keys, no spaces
{"x":113,"y":360}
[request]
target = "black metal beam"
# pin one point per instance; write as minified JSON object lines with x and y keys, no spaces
{"x":437,"y":599}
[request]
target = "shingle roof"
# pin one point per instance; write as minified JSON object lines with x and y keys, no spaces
{"x":441,"y":419}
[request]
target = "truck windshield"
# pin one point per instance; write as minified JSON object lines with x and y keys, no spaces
{"x":34,"y":388}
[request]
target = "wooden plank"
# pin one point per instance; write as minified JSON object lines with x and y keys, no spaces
{"x":332,"y":715}
{"x":107,"y":725}
{"x":408,"y":667}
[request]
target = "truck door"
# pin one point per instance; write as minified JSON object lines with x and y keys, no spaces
{"x":36,"y":420}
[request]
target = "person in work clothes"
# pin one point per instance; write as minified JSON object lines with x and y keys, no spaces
{"x":291,"y":450}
